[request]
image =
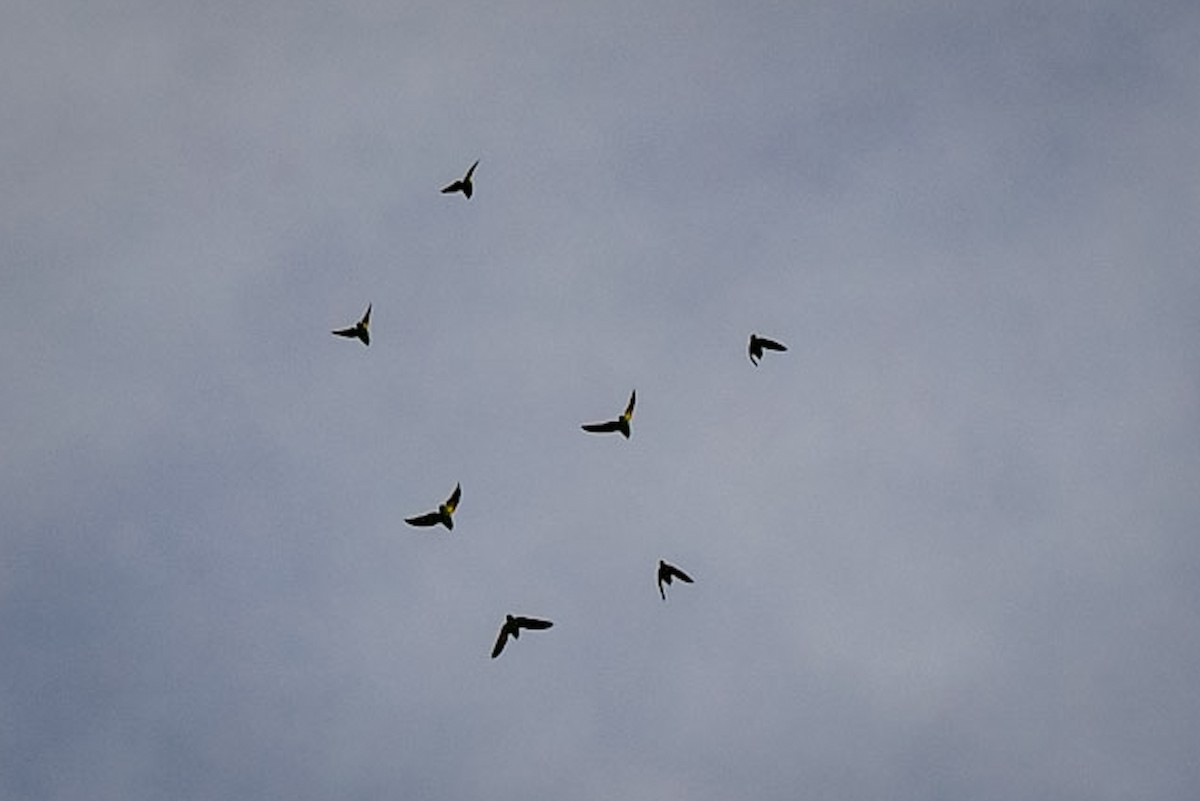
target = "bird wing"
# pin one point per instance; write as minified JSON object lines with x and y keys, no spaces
{"x":629,"y":406}
{"x":531,"y":623}
{"x":471,"y":171}
{"x":427,"y":519}
{"x":352,"y":331}
{"x":603,"y":428}
{"x":364,"y":335}
{"x":771,"y":344}
{"x":501,"y":641}
{"x":452,"y":501}
{"x":454,"y":187}
{"x":679,"y":574}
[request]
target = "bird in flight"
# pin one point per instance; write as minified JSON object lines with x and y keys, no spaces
{"x":512,"y":627}
{"x":666,"y":574}
{"x":759,"y":344}
{"x":620,"y":424}
{"x":463,"y":185}
{"x":443,"y":514}
{"x":360,"y":330}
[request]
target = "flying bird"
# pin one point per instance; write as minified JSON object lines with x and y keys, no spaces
{"x":463,"y":185}
{"x":443,"y":514}
{"x":360,"y":330}
{"x":620,"y":424}
{"x":512,"y":627}
{"x":759,"y":344}
{"x":666,"y":574}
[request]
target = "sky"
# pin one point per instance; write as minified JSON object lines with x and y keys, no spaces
{"x":944,"y":547}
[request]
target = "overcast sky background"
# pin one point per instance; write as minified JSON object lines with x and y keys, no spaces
{"x":945,"y":547}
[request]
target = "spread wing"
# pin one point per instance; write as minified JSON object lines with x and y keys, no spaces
{"x":771,"y":344}
{"x":454,"y":187}
{"x":532,"y":623}
{"x":427,"y":519}
{"x":471,"y":171}
{"x":679,"y":574}
{"x":501,"y":641}
{"x":603,"y":428}
{"x":629,"y":407}
{"x":452,"y":501}
{"x":366,"y":318}
{"x":352,"y":332}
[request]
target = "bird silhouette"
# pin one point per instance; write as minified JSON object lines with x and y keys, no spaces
{"x":759,"y":344}
{"x":620,"y":424}
{"x":512,"y":628}
{"x":360,"y":330}
{"x":443,"y":514}
{"x":666,"y":574}
{"x":464,"y":184}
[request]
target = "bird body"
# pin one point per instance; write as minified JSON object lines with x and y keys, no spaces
{"x":759,"y":344}
{"x":443,"y":515}
{"x":666,"y":574}
{"x":360,"y":330}
{"x":464,"y":184}
{"x":512,"y":628}
{"x":621,"y":424}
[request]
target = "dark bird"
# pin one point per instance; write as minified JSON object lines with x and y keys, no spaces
{"x":668,"y":573}
{"x":512,"y":627}
{"x":620,"y":424}
{"x":464,"y":185}
{"x":759,"y":344}
{"x":443,"y":514}
{"x":359,"y":330}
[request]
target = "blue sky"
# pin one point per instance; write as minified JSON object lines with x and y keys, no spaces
{"x":944,"y":547}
